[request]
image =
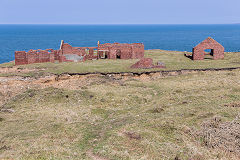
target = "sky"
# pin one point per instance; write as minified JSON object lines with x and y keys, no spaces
{"x":119,"y":11}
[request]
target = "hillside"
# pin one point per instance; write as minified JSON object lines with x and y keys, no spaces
{"x":173,"y":60}
{"x":194,"y":115}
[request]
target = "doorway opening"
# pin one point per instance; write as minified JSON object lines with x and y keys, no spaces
{"x":118,"y":54}
{"x":208,"y":53}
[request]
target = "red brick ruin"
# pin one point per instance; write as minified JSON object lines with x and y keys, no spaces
{"x":146,"y":63}
{"x":217,"y":50}
{"x":121,"y":51}
{"x":67,"y":53}
{"x":35,"y":56}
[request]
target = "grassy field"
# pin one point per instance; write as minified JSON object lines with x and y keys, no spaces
{"x":133,"y":119}
{"x":174,"y":61}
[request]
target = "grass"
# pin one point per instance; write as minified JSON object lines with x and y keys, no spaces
{"x":174,"y":61}
{"x":8,"y":64}
{"x":65,"y":123}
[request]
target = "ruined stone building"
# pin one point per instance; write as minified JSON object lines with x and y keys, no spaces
{"x":217,"y":50}
{"x":121,"y":51}
{"x":67,"y":53}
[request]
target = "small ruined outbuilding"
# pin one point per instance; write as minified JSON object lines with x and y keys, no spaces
{"x":146,"y":63}
{"x":217,"y":50}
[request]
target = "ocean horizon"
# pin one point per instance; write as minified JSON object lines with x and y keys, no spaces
{"x":23,"y":37}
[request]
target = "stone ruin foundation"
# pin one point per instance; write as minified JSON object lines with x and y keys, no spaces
{"x":146,"y":63}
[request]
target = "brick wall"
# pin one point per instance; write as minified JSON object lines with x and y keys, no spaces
{"x":35,"y":56}
{"x":67,"y":49}
{"x":111,"y":51}
{"x":217,"y":50}
{"x":20,"y":58}
{"x":123,"y":51}
{"x":138,"y":50}
{"x":80,"y":51}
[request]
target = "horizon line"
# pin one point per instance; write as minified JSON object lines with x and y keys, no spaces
{"x":117,"y":24}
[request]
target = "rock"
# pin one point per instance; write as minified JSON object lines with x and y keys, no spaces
{"x":7,"y":110}
{"x":146,"y":63}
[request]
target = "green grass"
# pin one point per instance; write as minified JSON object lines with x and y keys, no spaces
{"x":8,"y":64}
{"x":65,"y":123}
{"x":174,"y":61}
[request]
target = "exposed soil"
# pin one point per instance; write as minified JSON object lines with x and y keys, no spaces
{"x":235,"y":104}
{"x":133,"y":135}
{"x":13,"y":85}
{"x":16,"y":69}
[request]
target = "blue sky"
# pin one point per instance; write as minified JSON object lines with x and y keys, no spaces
{"x":119,"y":11}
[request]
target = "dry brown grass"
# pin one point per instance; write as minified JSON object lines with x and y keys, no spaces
{"x":118,"y":119}
{"x":222,"y":135}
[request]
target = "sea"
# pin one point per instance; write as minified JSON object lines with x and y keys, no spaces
{"x":166,"y":37}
